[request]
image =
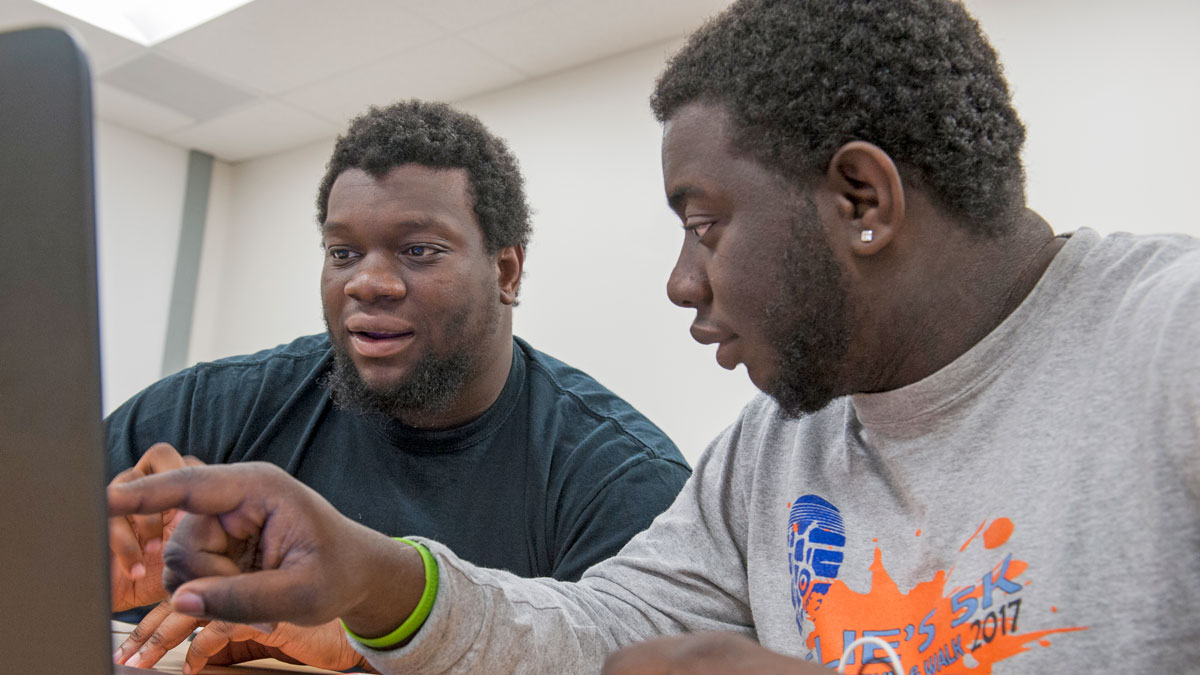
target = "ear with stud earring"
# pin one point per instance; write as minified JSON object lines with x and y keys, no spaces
{"x":867,"y":235}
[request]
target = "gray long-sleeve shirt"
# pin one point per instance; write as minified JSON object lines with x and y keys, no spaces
{"x":1032,"y":507}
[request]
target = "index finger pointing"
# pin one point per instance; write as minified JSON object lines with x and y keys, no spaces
{"x":207,"y":490}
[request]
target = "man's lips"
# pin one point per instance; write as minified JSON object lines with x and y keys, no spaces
{"x":727,"y":356}
{"x":378,"y":344}
{"x":380,"y":335}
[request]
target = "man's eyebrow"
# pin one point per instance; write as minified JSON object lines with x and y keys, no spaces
{"x":681,"y":194}
{"x":429,"y":222}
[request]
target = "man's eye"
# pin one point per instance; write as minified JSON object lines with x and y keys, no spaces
{"x":339,"y":253}
{"x":698,"y":227}
{"x":421,"y":251}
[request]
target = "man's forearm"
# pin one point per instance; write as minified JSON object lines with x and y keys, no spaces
{"x":488,"y":621}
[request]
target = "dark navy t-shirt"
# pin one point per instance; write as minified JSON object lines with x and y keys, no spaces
{"x":557,"y":475}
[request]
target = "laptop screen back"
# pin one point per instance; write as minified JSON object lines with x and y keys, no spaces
{"x":53,"y":579}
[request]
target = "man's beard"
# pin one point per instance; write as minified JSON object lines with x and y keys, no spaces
{"x":433,"y":385}
{"x":808,"y":324}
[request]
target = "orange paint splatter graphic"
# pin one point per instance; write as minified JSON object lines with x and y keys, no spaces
{"x":965,"y":630}
{"x":999,"y":532}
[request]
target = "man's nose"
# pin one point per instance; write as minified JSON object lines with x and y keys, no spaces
{"x":377,"y":277}
{"x":688,"y":284}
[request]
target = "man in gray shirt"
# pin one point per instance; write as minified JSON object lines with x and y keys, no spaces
{"x":978,"y":446}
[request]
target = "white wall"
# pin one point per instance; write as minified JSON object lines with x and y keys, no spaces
{"x":140,"y":183}
{"x":1109,"y":93}
{"x":1106,"y":89}
{"x":260,"y":275}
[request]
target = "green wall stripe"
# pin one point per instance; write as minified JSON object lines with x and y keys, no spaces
{"x":187,"y":262}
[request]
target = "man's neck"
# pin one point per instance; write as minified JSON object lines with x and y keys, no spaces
{"x":971,"y":287}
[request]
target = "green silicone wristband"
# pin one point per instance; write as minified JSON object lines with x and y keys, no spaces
{"x":418,"y":616}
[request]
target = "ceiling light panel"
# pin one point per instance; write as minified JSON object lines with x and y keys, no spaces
{"x":144,"y":21}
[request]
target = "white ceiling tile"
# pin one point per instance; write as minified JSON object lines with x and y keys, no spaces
{"x":279,"y":45}
{"x":459,"y":15}
{"x":259,"y":129}
{"x":445,"y":70}
{"x":104,"y":49}
{"x":134,"y":112}
{"x":564,"y":33}
{"x":181,"y":88}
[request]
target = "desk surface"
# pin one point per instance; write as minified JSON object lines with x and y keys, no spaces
{"x":172,"y":661}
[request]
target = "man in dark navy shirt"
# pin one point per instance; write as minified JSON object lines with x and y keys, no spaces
{"x":418,"y":413}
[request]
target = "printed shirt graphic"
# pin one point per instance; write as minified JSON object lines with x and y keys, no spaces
{"x":933,"y":628}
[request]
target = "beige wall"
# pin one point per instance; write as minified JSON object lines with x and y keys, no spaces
{"x":139,"y":207}
{"x":1110,"y":95}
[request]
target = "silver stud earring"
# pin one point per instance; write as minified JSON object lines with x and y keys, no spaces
{"x":867,"y":235}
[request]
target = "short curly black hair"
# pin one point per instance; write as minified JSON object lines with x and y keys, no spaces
{"x":800,"y":78}
{"x":437,"y":135}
